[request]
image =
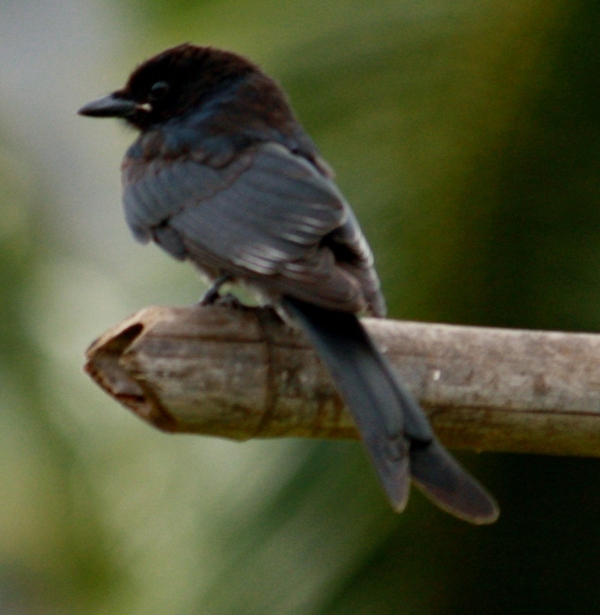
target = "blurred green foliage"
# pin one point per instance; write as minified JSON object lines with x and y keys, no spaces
{"x":467,"y":136}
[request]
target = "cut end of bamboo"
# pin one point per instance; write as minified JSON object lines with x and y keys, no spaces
{"x":107,"y":366}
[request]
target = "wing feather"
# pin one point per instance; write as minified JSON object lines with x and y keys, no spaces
{"x":271,"y":217}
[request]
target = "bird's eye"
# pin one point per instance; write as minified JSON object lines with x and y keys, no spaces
{"x":159,"y":90}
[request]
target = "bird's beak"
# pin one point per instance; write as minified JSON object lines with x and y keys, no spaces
{"x":112,"y":105}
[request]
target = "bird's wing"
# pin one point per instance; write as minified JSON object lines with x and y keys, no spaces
{"x":270,"y":217}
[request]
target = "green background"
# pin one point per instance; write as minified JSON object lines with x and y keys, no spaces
{"x":466,"y":135}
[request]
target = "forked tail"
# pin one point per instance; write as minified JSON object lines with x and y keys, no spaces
{"x":393,"y":427}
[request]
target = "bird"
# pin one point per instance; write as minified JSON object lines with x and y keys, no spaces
{"x":223,"y":175}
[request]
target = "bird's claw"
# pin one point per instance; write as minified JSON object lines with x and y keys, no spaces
{"x":213,"y":294}
{"x":230,"y":301}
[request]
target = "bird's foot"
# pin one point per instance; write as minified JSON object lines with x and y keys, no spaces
{"x":229,"y":301}
{"x":213,"y":294}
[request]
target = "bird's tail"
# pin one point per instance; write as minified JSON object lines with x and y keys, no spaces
{"x":393,"y":427}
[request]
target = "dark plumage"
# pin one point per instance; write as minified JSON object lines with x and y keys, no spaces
{"x":222,"y":174}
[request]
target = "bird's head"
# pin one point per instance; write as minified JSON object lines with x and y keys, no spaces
{"x":170,"y":84}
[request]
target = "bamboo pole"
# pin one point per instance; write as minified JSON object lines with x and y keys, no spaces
{"x":241,"y":373}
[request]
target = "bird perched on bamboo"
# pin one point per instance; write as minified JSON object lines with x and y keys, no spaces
{"x":223,"y":175}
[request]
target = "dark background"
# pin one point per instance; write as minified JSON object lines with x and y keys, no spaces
{"x":467,"y":136}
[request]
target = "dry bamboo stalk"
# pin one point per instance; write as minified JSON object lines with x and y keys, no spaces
{"x":241,"y":373}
